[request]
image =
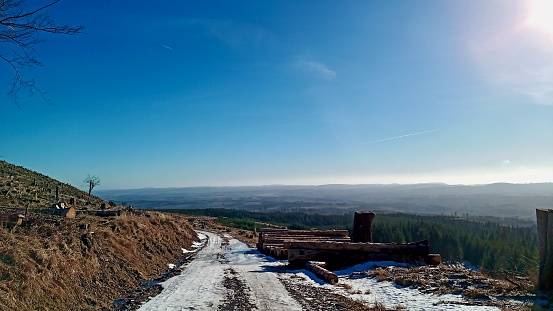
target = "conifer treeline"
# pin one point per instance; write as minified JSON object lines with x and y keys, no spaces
{"x":488,"y":245}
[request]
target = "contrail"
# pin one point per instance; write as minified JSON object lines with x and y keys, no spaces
{"x":406,"y":135}
{"x":168,"y":47}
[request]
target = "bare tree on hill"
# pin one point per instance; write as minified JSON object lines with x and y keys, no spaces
{"x":20,"y":27}
{"x":92,"y":182}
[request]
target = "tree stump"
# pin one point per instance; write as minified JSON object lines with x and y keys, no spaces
{"x":362,"y":226}
{"x":545,"y":240}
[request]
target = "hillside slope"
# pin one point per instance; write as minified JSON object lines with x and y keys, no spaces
{"x":21,"y":187}
{"x":55,"y":263}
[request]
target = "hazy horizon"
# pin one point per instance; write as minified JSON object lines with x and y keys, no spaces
{"x":326,"y":185}
{"x":494,"y":200}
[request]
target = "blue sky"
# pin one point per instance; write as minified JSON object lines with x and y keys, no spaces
{"x":209,"y":93}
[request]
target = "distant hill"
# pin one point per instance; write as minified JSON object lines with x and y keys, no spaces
{"x":496,"y":200}
{"x":21,"y":187}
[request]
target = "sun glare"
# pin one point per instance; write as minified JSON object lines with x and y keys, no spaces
{"x":541,"y":15}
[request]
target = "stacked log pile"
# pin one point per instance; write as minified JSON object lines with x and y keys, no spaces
{"x":303,"y":248}
{"x":271,"y":241}
{"x":345,"y":253}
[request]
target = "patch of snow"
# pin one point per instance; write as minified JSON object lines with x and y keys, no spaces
{"x":201,"y":236}
{"x":197,"y":244}
{"x":470,"y":266}
{"x":390,"y":295}
{"x":199,"y":286}
{"x":171,"y":266}
{"x":238,"y":253}
{"x":369,"y":265}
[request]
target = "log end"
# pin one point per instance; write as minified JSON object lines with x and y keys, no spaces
{"x":433,"y":259}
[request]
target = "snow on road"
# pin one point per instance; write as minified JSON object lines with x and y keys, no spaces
{"x":200,"y":285}
{"x":268,"y":293}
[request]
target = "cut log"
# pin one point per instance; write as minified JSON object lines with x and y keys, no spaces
{"x":281,"y":240}
{"x":419,"y":248}
{"x":545,"y":240}
{"x":109,"y":213}
{"x":362,"y":226}
{"x":273,"y":229}
{"x":322,"y":273}
{"x":342,"y":233}
{"x":64,"y":212}
{"x":333,"y":258}
{"x":305,"y":255}
{"x":433,"y":259}
{"x":299,"y":236}
{"x":276,"y":252}
{"x":15,"y":219}
{"x":282,"y":253}
{"x":282,"y":243}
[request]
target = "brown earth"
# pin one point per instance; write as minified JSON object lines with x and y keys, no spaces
{"x":52,"y":263}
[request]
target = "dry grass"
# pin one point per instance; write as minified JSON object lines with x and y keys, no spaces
{"x":382,"y":274}
{"x":20,"y":188}
{"x":54,"y":263}
{"x":51,"y":264}
{"x":455,"y":279}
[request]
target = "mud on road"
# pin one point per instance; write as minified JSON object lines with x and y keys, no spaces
{"x":238,"y":296}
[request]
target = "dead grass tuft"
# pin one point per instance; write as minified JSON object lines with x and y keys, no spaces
{"x":381,"y":274}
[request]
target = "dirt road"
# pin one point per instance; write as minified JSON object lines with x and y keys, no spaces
{"x":225,"y":274}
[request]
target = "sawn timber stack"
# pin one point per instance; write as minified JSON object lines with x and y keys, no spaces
{"x":346,"y":253}
{"x":335,"y":247}
{"x":271,"y":241}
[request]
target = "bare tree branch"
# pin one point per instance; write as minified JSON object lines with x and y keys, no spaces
{"x":20,"y":29}
{"x":92,"y":182}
